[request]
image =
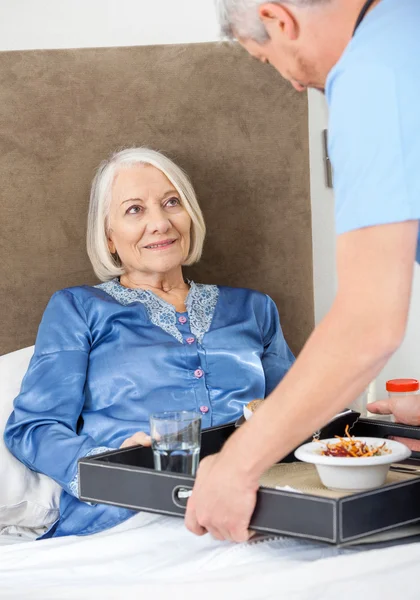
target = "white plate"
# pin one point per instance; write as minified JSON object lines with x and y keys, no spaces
{"x":355,"y":474}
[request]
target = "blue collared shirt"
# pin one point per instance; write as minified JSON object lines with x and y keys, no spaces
{"x":374,"y":133}
{"x":106,"y":357}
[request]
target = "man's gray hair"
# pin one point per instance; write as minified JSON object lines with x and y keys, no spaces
{"x":239,"y":18}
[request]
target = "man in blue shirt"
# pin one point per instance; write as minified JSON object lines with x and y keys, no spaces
{"x":366,"y":57}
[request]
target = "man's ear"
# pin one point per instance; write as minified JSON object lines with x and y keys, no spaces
{"x":277,"y":18}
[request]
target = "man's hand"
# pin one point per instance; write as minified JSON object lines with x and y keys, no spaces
{"x":222,"y":501}
{"x":406,"y":410}
{"x":138,"y":439}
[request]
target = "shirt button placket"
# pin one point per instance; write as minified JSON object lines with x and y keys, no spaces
{"x":198,"y":372}
{"x":204,"y":409}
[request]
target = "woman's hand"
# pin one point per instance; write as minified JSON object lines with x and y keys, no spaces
{"x":406,"y":410}
{"x":138,"y":439}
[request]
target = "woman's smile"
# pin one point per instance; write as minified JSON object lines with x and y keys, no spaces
{"x":161,"y":245}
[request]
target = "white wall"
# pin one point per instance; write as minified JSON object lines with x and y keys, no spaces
{"x":322,"y":198}
{"x":406,"y":362}
{"x":30,"y":24}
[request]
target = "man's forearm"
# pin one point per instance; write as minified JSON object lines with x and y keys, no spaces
{"x":337,"y":363}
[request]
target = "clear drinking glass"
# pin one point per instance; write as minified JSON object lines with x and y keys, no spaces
{"x":176,"y":441}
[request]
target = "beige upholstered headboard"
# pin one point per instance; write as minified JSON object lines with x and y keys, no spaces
{"x":238,"y":130}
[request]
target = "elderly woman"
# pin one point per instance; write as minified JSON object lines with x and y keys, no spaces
{"x":145,"y":340}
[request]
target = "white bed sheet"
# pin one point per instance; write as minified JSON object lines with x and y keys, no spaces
{"x":11,"y":534}
{"x":156,"y":555}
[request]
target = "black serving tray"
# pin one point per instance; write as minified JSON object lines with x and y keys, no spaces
{"x":127,"y":478}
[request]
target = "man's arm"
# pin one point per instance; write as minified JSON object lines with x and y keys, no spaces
{"x":364,"y":327}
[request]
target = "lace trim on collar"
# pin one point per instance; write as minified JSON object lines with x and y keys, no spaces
{"x":201,"y":303}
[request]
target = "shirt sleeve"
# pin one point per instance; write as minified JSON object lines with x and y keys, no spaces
{"x":374,"y":146}
{"x":277,"y":357}
{"x":42,"y":430}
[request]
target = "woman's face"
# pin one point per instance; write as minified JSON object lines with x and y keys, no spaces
{"x":147,"y":225}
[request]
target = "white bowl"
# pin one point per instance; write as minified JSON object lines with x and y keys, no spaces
{"x":353,"y":474}
{"x":247,"y":413}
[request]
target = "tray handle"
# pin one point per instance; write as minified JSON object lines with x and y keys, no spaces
{"x":180,"y":495}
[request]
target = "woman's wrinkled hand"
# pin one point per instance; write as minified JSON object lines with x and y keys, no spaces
{"x":138,"y":439}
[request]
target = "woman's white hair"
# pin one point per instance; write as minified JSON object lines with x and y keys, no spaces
{"x":239,"y":18}
{"x":107,"y":265}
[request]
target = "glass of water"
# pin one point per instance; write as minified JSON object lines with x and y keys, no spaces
{"x":176,"y":440}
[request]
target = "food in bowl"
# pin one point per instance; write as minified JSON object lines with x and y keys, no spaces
{"x":350,"y":447}
{"x":357,"y":472}
{"x":251,"y":407}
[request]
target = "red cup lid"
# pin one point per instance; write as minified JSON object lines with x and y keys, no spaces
{"x":402,"y":385}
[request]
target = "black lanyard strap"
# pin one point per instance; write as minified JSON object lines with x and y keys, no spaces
{"x":362,"y":14}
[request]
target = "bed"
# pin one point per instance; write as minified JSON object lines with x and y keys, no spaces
{"x":243,"y":137}
{"x":156,"y":556}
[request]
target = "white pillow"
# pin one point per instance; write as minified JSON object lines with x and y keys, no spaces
{"x":27,"y":499}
